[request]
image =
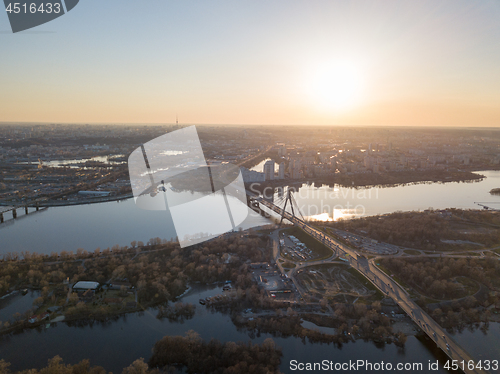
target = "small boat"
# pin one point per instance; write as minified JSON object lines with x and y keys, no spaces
{"x":203,"y":301}
{"x":24,"y":292}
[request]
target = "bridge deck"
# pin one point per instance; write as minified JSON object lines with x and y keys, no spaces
{"x":6,"y":209}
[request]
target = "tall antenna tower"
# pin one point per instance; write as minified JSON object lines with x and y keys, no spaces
{"x":176,"y":119}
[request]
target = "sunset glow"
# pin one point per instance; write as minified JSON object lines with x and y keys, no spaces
{"x":336,"y":86}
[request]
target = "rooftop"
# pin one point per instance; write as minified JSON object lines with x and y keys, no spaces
{"x":86,"y":285}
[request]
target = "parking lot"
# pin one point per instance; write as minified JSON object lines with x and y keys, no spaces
{"x":365,"y":243}
{"x":294,"y":250}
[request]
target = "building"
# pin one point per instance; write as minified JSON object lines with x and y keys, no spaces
{"x":296,"y":173}
{"x":369,"y":162}
{"x":250,"y":176}
{"x":281,"y":172}
{"x":269,"y":170}
{"x":281,"y":150}
{"x":333,"y":164}
{"x":83,"y":286}
{"x":118,"y":284}
{"x":95,"y":193}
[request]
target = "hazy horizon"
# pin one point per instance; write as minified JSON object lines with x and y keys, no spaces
{"x":450,"y":127}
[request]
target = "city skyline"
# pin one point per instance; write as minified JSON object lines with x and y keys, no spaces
{"x":283,"y":63}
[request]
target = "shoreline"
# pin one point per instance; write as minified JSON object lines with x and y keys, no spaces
{"x":345,"y":180}
{"x":372,"y":180}
{"x":56,"y":203}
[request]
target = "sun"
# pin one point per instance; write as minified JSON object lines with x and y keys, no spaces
{"x":336,"y":86}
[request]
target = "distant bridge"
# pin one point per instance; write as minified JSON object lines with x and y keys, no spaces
{"x":13,"y":209}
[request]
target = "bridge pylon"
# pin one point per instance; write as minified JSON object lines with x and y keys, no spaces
{"x":289,"y":197}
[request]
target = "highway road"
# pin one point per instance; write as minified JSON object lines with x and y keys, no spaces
{"x":387,"y":286}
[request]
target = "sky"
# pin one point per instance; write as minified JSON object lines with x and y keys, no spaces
{"x":383,"y":63}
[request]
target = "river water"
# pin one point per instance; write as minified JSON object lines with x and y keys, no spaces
{"x":91,"y":226}
{"x":120,"y":222}
{"x":324,"y":202}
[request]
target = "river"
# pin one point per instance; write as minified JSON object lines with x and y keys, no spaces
{"x":91,"y":226}
{"x":120,"y":222}
{"x":324,"y":202}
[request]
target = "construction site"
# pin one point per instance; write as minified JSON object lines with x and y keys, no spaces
{"x":276,"y":285}
{"x":334,"y":281}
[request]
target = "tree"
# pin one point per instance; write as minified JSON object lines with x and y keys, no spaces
{"x":401,"y":339}
{"x":376,"y":306}
{"x":137,"y":367}
{"x":38,"y":301}
{"x":56,"y":366}
{"x":323,"y":303}
{"x":355,"y":329}
{"x":290,"y":312}
{"x":82,"y":367}
{"x":269,"y":344}
{"x":4,"y":367}
{"x":73,"y":299}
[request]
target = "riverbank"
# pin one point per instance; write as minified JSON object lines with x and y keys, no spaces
{"x":67,"y":202}
{"x":366,"y":180}
{"x":386,"y":179}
